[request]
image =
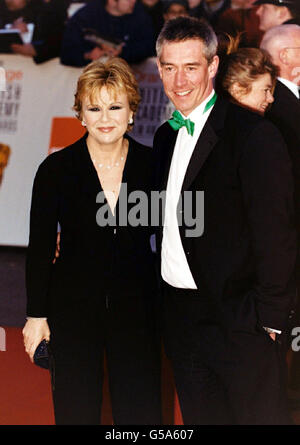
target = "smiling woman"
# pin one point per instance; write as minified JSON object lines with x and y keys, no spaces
{"x":100,"y":294}
{"x":247,"y":76}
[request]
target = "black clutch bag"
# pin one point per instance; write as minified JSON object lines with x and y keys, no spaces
{"x":42,"y":355}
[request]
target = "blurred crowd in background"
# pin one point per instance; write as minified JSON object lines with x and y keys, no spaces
{"x":80,"y":32}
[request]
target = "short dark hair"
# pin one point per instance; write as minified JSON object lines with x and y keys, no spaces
{"x":186,"y":28}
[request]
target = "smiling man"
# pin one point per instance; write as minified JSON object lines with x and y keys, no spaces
{"x":227,"y":294}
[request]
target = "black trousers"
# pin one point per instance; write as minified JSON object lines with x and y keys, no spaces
{"x":222,"y":376}
{"x":124,"y":327}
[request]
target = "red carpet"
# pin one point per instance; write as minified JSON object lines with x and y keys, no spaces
{"x":25,"y":391}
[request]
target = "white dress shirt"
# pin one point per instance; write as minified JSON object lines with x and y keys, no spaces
{"x":174,"y":266}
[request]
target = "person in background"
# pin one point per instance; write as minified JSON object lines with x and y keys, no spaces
{"x":100,"y":294}
{"x":117,"y":28}
{"x":41,"y":23}
{"x":283,"y":44}
{"x":277,"y":12}
{"x":227,"y":275}
{"x":241,"y":19}
{"x":214,"y":8}
{"x":175,"y":8}
{"x":155,"y":9}
{"x":247,"y":76}
{"x":197,"y":8}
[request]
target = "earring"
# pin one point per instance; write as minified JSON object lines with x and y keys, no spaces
{"x":130,"y":121}
{"x":83,"y":123}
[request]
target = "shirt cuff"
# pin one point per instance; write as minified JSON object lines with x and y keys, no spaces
{"x":36,"y":318}
{"x":271,"y":330}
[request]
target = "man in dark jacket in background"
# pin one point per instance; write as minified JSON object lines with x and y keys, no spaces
{"x":115,"y":28}
{"x":45,"y":18}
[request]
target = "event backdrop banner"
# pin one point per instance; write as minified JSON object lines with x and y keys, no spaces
{"x":36,"y":118}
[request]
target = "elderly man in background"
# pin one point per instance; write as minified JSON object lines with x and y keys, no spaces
{"x":283,"y":44}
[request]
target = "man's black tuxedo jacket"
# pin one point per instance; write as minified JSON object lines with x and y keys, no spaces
{"x":245,"y":258}
{"x":94,"y":261}
{"x":285,"y":114}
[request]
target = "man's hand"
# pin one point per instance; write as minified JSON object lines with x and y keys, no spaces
{"x":272,"y":335}
{"x":35,"y":330}
{"x":57,"y":250}
{"x":20,"y":25}
{"x":95,"y":54}
{"x":25,"y":50}
{"x":106,"y":50}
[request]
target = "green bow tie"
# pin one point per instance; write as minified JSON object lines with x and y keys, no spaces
{"x":178,"y":121}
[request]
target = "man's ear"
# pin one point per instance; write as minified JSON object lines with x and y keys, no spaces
{"x":283,"y":56}
{"x":283,"y":14}
{"x":213,"y":67}
{"x":159,"y":67}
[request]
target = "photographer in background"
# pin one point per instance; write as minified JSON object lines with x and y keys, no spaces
{"x":41,"y":24}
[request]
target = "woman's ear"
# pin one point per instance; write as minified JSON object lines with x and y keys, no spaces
{"x":236,"y":90}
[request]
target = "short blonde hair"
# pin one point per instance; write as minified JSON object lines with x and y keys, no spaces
{"x":115,"y":75}
{"x":244,"y":66}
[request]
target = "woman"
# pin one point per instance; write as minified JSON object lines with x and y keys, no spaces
{"x":100,"y":292}
{"x":248,"y":77}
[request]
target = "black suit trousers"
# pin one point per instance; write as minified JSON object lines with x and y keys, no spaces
{"x":222,"y":376}
{"x":123,"y":327}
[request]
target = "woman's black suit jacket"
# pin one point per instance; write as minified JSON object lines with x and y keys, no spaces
{"x":94,"y":261}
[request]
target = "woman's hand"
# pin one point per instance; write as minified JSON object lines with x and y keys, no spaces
{"x":35,"y":330}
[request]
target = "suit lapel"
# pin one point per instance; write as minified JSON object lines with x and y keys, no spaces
{"x":204,"y":146}
{"x":89,"y":181}
{"x":207,"y":140}
{"x":285,"y":92}
{"x":168,"y":143}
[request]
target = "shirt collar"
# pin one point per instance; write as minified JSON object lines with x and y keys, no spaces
{"x":196,"y":114}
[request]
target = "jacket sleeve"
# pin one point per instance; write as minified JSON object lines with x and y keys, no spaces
{"x":42,"y":239}
{"x":267,"y":186}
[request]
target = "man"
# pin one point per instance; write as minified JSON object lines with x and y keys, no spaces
{"x":41,"y":24}
{"x":283,"y":44}
{"x":122,"y":27}
{"x":277,"y":12}
{"x":228,"y":291}
{"x":241,"y":18}
{"x":175,"y":8}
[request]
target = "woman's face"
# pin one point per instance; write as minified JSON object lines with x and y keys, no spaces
{"x":260,"y":95}
{"x":107,"y":117}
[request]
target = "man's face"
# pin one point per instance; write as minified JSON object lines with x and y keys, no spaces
{"x":185,"y":73}
{"x":269,"y":16}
